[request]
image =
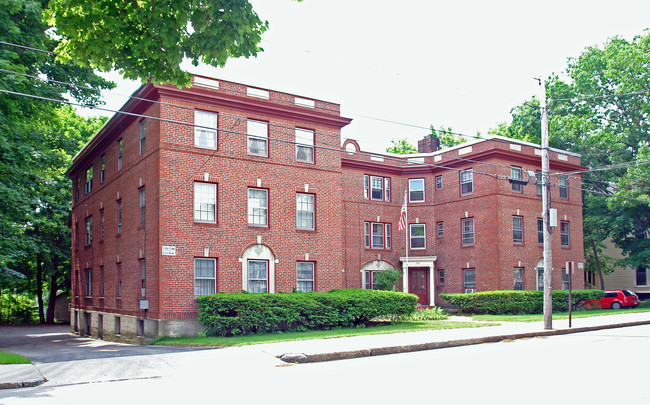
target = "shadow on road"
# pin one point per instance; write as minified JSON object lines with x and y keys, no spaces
{"x":55,"y":343}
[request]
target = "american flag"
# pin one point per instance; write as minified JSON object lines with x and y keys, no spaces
{"x":402,"y":215}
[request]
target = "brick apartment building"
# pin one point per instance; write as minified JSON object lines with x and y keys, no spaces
{"x":222,"y":187}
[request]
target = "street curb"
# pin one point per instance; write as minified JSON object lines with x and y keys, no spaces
{"x":379,"y":351}
{"x":23,"y":379}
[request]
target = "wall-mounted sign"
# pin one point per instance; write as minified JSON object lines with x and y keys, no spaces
{"x":169,"y":250}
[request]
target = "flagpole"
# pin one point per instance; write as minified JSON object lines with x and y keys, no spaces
{"x":406,"y":243}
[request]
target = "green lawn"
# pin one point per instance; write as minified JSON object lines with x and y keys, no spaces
{"x":585,"y":313}
{"x":396,"y":327}
{"x":12,"y":358}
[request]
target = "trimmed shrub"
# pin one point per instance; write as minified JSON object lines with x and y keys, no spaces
{"x":517,"y":302}
{"x":226,"y":314}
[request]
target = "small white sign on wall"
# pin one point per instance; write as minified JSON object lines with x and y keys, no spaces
{"x":169,"y":250}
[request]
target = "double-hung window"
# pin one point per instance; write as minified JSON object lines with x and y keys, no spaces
{"x":540,"y":231}
{"x":515,"y":174}
{"x":142,"y":206}
{"x":376,"y":188}
{"x":438,"y":182}
{"x":304,"y":145}
{"x":418,"y":238}
{"x":466,"y":181}
{"x":564,"y":233}
{"x":143,"y":135}
{"x":143,"y":278}
{"x":416,"y":190}
{"x":305,"y":276}
{"x":205,"y":202}
{"x":102,"y":174}
{"x":519,"y":278}
{"x":89,"y":282}
{"x":258,"y":207}
{"x":204,"y":276}
{"x":205,"y":129}
{"x":89,"y":230}
{"x":377,"y":235}
{"x":258,"y":276}
{"x":101,"y":224}
{"x":258,"y":137}
{"x":120,"y":151}
{"x":440,"y":226}
{"x":517,"y":230}
{"x":564,"y":188}
{"x":467,"y":225}
{"x":119,"y":216}
{"x":538,"y":182}
{"x":89,"y":180}
{"x":469,"y":280}
{"x":305,"y":213}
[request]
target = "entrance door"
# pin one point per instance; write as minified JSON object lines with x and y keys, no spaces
{"x":419,"y":284}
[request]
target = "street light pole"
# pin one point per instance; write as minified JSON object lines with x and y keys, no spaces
{"x":546,"y":202}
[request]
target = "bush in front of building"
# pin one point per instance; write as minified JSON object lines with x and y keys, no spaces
{"x":227,"y":314}
{"x":517,"y":302}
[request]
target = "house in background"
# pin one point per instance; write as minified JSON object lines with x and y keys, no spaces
{"x":223,"y":187}
{"x":636,"y":280}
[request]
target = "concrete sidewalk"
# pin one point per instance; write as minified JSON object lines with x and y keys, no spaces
{"x":17,"y":376}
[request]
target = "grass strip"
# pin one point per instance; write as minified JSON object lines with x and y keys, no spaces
{"x":13,"y":358}
{"x":395,"y":327}
{"x":585,"y":313}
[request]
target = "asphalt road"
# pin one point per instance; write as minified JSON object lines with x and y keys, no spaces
{"x":55,"y":343}
{"x":605,"y":366}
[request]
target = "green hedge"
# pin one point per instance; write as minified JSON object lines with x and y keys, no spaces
{"x":245,"y":313}
{"x":517,"y":302}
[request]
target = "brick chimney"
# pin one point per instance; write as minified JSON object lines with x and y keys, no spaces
{"x":428,"y":144}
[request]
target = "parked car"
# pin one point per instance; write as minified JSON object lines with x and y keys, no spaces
{"x":615,"y":300}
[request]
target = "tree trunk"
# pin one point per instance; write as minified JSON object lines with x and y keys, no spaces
{"x":600,"y":273}
{"x":39,"y":288}
{"x":54,"y":287}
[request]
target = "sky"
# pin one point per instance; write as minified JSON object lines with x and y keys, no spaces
{"x":398,"y":67}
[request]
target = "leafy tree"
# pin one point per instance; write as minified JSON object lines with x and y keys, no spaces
{"x":387,"y":279}
{"x":401,"y":147}
{"x":447,"y":136}
{"x":34,"y":147}
{"x":150,"y":38}
{"x":602,"y":113}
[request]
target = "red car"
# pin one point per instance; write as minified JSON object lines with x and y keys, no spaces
{"x":616,"y":300}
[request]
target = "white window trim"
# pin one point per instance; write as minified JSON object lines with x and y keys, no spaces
{"x":312,"y":212}
{"x":213,"y":278}
{"x":424,"y":197}
{"x":470,"y":181}
{"x":258,"y":131}
{"x":206,"y":122}
{"x":312,"y":279}
{"x":305,"y":140}
{"x":200,"y":203}
{"x":424,"y":237}
{"x":266,"y":208}
{"x":473,"y":231}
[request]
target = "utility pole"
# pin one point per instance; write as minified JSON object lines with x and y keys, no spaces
{"x":546,"y":202}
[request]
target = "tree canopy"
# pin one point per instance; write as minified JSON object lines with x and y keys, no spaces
{"x":602,"y":113}
{"x":37,"y":141}
{"x":150,"y":38}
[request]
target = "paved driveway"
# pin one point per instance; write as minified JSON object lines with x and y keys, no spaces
{"x":55,"y":343}
{"x":63,"y":358}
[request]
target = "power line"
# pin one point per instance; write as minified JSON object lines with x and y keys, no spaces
{"x":367,"y":154}
{"x":27,"y":47}
{"x":633,"y":93}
